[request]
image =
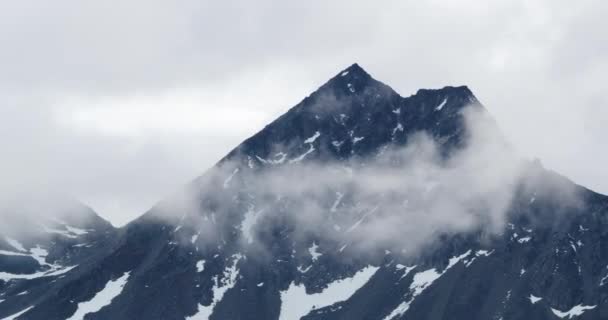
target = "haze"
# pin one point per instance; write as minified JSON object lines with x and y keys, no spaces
{"x":119,"y":103}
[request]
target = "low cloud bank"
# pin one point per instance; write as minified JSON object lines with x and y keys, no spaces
{"x":401,"y":198}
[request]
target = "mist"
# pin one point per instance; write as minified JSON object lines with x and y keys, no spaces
{"x":400,"y":199}
{"x":119,"y":103}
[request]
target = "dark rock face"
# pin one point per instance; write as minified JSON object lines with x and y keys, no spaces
{"x":203,"y":259}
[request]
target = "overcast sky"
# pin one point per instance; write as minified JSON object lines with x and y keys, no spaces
{"x":119,"y":103}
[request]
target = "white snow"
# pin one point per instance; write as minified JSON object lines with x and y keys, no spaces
{"x":420,"y":282}
{"x":534,"y":299}
{"x":39,"y":255}
{"x":296,"y":303}
{"x":407,"y":270}
{"x":350,"y":87}
{"x":219,"y":289}
{"x":227,"y":181}
{"x":16,"y":315}
{"x":423,"y":280}
{"x":356,"y":224}
{"x":102,"y":298}
{"x":357,"y":139}
{"x":15,"y":244}
{"x":261,"y":159}
{"x":454,"y":260}
{"x":524,"y":239}
{"x":399,"y":127}
{"x":302,"y":156}
{"x":76,"y":231}
{"x":50,"y":273}
{"x":304,"y":270}
{"x":200,"y":266}
{"x":339,"y":196}
{"x":442,"y":104}
{"x":261,"y":284}
{"x":397,"y":111}
{"x":313,"y":252}
{"x":344,"y":73}
{"x":603,"y":280}
{"x":194,"y":238}
{"x":337,"y":143}
{"x":279,"y":158}
{"x":60,"y":232}
{"x":483,"y":253}
{"x":479,"y":253}
{"x":574,"y":312}
{"x":11,"y":253}
{"x":251,"y":217}
{"x":313,"y":138}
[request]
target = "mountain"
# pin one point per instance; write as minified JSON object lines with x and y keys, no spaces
{"x":357,"y":203}
{"x":42,"y":239}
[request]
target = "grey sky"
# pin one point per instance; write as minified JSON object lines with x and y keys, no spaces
{"x":121,"y":102}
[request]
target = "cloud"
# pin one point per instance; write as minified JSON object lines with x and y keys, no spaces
{"x":117,"y":102}
{"x":401,"y":199}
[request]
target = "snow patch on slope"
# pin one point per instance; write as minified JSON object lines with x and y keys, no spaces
{"x":534,"y":299}
{"x":574,"y":312}
{"x":339,"y":196}
{"x":313,"y":252}
{"x":302,"y":156}
{"x":251,"y":217}
{"x":5,"y":276}
{"x":16,"y":315}
{"x":313,"y":138}
{"x":219,"y":289}
{"x":227,"y":181}
{"x":103,"y":298}
{"x":441,"y":105}
{"x":200,"y":266}
{"x":15,"y":244}
{"x":420,"y":282}
{"x":296,"y":303}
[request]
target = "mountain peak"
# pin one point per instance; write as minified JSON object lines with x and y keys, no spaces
{"x":355,"y":114}
{"x":350,"y":81}
{"x":354,"y":70}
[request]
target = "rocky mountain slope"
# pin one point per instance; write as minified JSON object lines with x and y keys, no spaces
{"x":329,"y":213}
